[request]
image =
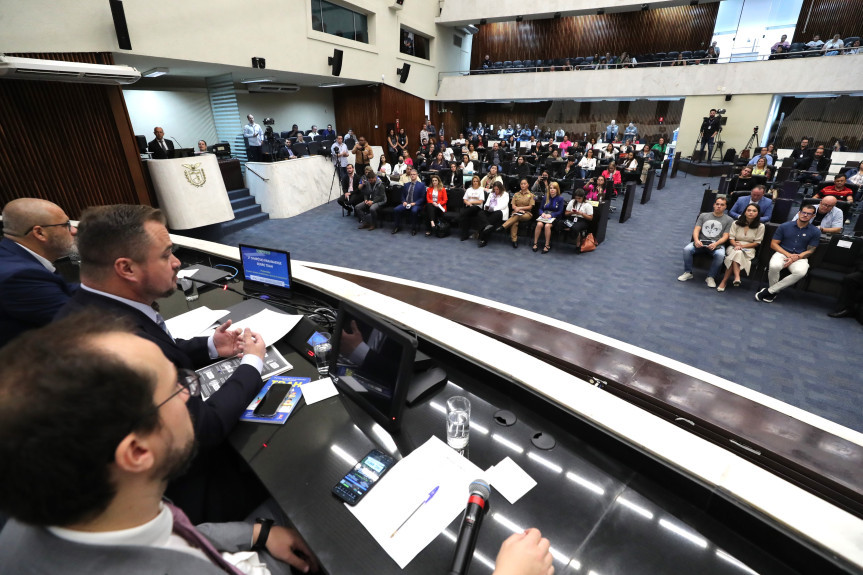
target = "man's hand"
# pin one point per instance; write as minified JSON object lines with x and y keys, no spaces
{"x":698,"y":244}
{"x":524,"y":554}
{"x":228,"y":343}
{"x":712,"y":246}
{"x":254,"y":344}
{"x":289,"y":546}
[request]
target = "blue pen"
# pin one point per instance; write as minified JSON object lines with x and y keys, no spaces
{"x":427,"y":499}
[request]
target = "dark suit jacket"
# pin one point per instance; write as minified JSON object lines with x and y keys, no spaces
{"x":217,"y":485}
{"x":157,"y":151}
{"x":357,"y":179}
{"x":30,"y":295}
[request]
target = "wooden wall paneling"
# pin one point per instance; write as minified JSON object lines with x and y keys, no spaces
{"x":361,"y":109}
{"x":410,"y":111}
{"x":356,"y":109}
{"x":638,"y":32}
{"x":826,"y":18}
{"x":68,"y":143}
{"x":824,"y":120}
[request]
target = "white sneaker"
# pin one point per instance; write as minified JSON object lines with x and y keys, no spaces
{"x":711,"y":283}
{"x":685,"y":276}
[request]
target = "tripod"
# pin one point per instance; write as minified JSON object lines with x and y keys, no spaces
{"x":718,"y":147}
{"x":751,"y":140}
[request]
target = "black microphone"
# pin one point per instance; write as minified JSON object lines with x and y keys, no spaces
{"x":476,"y":507}
{"x":176,"y":140}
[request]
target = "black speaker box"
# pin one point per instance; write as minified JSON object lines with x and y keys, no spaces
{"x":403,"y":73}
{"x":336,"y":61}
{"x":119,"y":16}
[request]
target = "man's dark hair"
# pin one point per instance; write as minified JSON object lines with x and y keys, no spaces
{"x":809,"y":207}
{"x":741,"y":221}
{"x":712,"y":109}
{"x":106,"y":233}
{"x":64,"y":408}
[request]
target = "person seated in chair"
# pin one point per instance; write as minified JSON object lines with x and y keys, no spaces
{"x":612,"y":175}
{"x":474,"y":197}
{"x":742,"y":182}
{"x":452,"y":177}
{"x":571,"y":171}
{"x":413,"y":199}
{"x":494,"y":212}
{"x":761,"y":168}
{"x":793,"y":243}
{"x":802,"y":151}
{"x":763,"y":153}
{"x":709,"y":236}
{"x":522,"y":210}
{"x":435,"y":205}
{"x":438,"y":164}
{"x":351,"y":193}
{"x":521,"y":168}
{"x":811,"y":167}
{"x":596,"y":189}
{"x":494,"y":156}
{"x":765,"y":205}
{"x":838,"y":189}
{"x":295,"y":130}
{"x":550,"y":213}
{"x":631,"y":171}
{"x":578,"y":213}
{"x":587,"y":164}
{"x":374,"y":198}
{"x":746,"y":234}
{"x":490,"y":179}
{"x":828,"y":218}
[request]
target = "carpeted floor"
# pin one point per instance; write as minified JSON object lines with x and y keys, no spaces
{"x":626,"y":289}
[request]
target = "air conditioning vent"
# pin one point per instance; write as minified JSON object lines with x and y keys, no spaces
{"x":59,"y":71}
{"x":273,"y":87}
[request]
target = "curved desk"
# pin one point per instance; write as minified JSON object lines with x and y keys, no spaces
{"x":622,"y":491}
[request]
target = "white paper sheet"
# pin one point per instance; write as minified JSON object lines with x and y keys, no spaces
{"x":316,"y":391}
{"x":272,"y":325}
{"x":510,"y":480}
{"x":186,"y":273}
{"x":194,"y":322}
{"x":406,"y":486}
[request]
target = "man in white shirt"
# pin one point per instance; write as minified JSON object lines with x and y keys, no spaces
{"x":340,"y":155}
{"x":815,"y":43}
{"x":255,"y":137}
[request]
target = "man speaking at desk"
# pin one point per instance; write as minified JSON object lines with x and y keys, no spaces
{"x":127,"y":264}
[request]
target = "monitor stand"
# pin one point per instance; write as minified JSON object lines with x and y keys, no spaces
{"x":424,"y":384}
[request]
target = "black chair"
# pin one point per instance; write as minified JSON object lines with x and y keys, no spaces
{"x":789,"y":190}
{"x":507,"y":66}
{"x":394,"y":198}
{"x":300,"y":150}
{"x":517,"y":65}
{"x":839,"y":260}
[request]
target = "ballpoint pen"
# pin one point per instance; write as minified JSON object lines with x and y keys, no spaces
{"x":427,"y":499}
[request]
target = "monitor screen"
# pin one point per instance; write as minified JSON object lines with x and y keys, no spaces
{"x":373,"y":363}
{"x":266,"y":270}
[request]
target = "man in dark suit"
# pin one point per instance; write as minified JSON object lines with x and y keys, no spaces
{"x":351,"y":193}
{"x":86,"y":492}
{"x":36,"y":234}
{"x":159,"y":146}
{"x":126,"y":265}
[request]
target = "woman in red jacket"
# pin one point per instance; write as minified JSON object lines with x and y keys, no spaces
{"x":435,"y":203}
{"x":612,"y":176}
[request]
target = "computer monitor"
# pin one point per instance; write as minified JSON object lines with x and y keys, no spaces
{"x":222,"y":149}
{"x":372,"y":363}
{"x":266,"y":270}
{"x":181,"y":153}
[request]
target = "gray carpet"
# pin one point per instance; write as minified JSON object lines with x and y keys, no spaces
{"x":626,"y":289}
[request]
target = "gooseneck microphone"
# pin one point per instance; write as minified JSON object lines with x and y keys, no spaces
{"x":176,"y":140}
{"x":477,"y":504}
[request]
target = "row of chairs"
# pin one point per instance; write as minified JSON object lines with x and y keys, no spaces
{"x":583,"y":62}
{"x":801,"y":50}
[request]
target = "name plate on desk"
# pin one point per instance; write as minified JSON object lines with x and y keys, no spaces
{"x":191,"y":191}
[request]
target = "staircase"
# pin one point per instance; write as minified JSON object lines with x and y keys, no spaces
{"x":246,"y":213}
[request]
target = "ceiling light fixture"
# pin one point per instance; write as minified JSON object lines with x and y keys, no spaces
{"x":257,"y":80}
{"x":155,"y":72}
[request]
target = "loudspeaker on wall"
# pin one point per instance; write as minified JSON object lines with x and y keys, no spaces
{"x":336,"y":61}
{"x":119,"y":16}
{"x":403,"y":73}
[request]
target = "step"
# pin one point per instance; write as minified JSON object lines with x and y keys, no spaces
{"x":242,"y":223}
{"x":246,"y":211}
{"x":240,"y":193}
{"x":237,"y":203}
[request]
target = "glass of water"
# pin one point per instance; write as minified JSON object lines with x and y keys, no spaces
{"x":323,"y":350}
{"x":457,"y":422}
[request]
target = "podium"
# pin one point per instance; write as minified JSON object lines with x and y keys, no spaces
{"x":191,"y":191}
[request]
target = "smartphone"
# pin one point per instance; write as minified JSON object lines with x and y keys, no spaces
{"x":359,"y":480}
{"x":274,"y":398}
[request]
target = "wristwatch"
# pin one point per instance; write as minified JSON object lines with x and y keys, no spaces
{"x":261,"y":542}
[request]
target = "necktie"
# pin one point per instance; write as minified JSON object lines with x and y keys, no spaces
{"x":411,"y":193}
{"x":184,"y":528}
{"x":160,"y":321}
{"x":164,"y":145}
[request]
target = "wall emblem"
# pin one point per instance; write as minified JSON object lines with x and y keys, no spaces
{"x":195,"y":174}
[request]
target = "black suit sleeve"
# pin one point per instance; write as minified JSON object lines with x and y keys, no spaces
{"x":215,"y":418}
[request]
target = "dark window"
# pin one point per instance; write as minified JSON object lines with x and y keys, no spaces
{"x":339,"y":21}
{"x":414,"y":44}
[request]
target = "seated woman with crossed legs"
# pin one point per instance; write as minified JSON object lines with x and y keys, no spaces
{"x":435,"y":203}
{"x":579,"y":213}
{"x":745,"y":235}
{"x":550,"y":213}
{"x":522,"y":210}
{"x":474,"y":196}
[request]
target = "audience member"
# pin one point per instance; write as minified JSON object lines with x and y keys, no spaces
{"x":486,"y":62}
{"x":743,"y":182}
{"x":587,"y":164}
{"x":202,"y":147}
{"x":435,"y":206}
{"x":494,"y":212}
{"x":765,"y":205}
{"x":596,"y":189}
{"x":491,"y":178}
{"x":413,"y":199}
{"x":392,"y":145}
{"x":631,"y":171}
{"x":159,"y":146}
{"x":466,"y":166}
{"x":540,"y":186}
{"x":855,"y":175}
{"x":559,"y":134}
{"x":712,"y":55}
{"x":452,"y":178}
{"x":362,"y":152}
{"x":36,"y":233}
{"x":127,"y":264}
{"x":782,"y":43}
{"x":833,"y":47}
{"x":374,"y":198}
{"x":439,"y":164}
{"x":811,"y":167}
{"x":550,"y":213}
{"x":745,"y":236}
{"x":709,"y":236}
{"x":815,"y":43}
{"x":610,"y":152}
{"x":570,"y":172}
{"x":301,"y":139}
{"x":793,"y":243}
{"x":763,"y":153}
{"x":837,"y":189}
{"x":631,"y":132}
{"x":286,"y":153}
{"x":579,"y":213}
{"x":399,"y":170}
{"x":679,"y":61}
{"x":329,"y":133}
{"x":761,"y":167}
{"x":828,"y":218}
{"x":522,"y":210}
{"x":86,"y":494}
{"x":612,"y":174}
{"x":707,"y":133}
{"x":474,"y":196}
{"x":340,"y":153}
{"x":611,"y":131}
{"x":854,"y":49}
{"x":294,"y":131}
{"x":521,"y":168}
{"x":658,"y":150}
{"x":778,"y":54}
{"x":472,"y":153}
{"x":351,"y":194}
{"x":424,"y":134}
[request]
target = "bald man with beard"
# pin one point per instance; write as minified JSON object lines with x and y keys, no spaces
{"x":36,"y":233}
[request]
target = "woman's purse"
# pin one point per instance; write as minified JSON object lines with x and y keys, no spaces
{"x":588,"y":244}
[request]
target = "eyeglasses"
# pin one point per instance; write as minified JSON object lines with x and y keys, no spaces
{"x":67,"y":223}
{"x":807,"y":214}
{"x":187,"y":380}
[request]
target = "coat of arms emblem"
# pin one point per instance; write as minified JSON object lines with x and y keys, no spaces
{"x":195,"y":174}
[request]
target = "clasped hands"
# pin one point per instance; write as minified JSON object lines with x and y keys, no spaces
{"x":238,"y":342}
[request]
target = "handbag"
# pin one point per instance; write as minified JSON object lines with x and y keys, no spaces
{"x":588,"y":244}
{"x":442,"y":229}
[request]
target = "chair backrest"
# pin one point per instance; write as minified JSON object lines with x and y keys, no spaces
{"x":842,"y":253}
{"x":789,"y":189}
{"x":300,"y":149}
{"x":781,"y":211}
{"x":315,"y":148}
{"x":517,"y":64}
{"x":285,"y":135}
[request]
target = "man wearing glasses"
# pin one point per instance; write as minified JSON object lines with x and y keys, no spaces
{"x":127,"y":264}
{"x":86,"y":494}
{"x":793,"y":243}
{"x":36,"y":233}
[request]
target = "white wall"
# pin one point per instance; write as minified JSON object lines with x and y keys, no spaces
{"x":184,"y":115}
{"x":743,"y":113}
{"x":304,"y":108}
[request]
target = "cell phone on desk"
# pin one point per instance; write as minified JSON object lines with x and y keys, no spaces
{"x":365,"y":474}
{"x":273,"y":400}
